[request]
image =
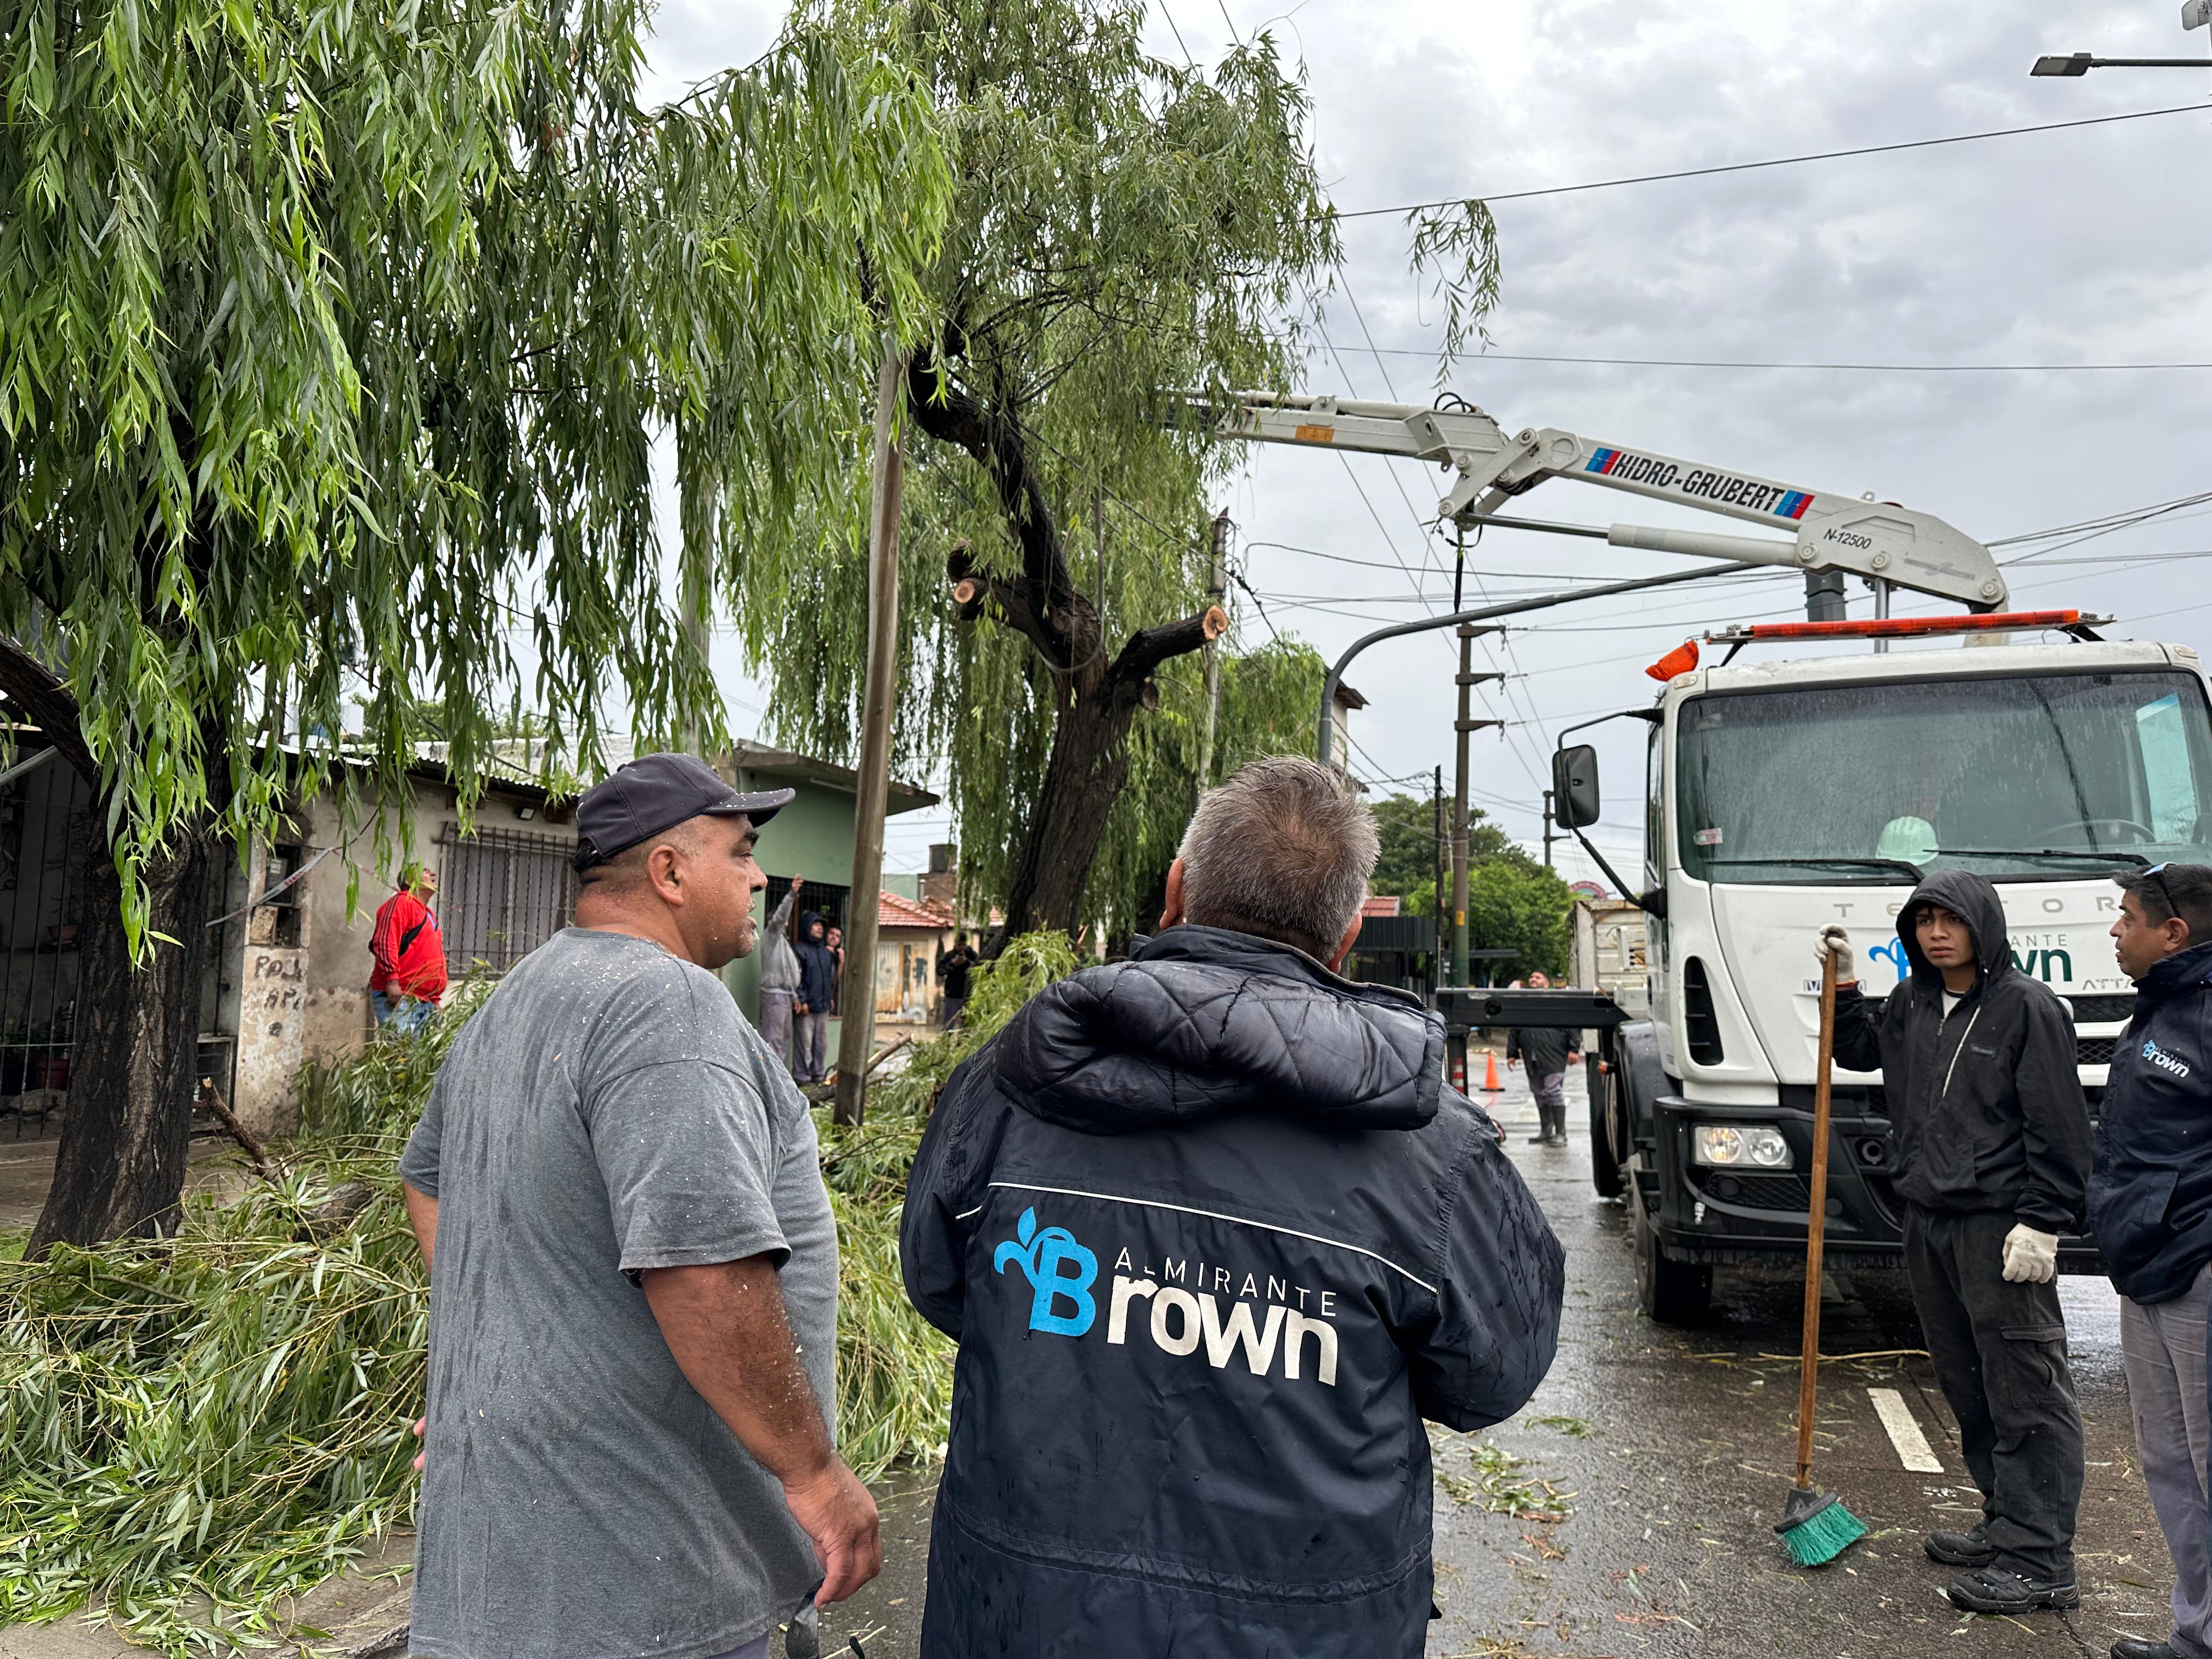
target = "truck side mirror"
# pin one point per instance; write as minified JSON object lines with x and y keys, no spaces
{"x":1574,"y":787}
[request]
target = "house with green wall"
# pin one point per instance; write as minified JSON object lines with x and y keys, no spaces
{"x":811,"y":838}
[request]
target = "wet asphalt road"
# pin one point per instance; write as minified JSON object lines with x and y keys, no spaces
{"x":1665,"y":1456}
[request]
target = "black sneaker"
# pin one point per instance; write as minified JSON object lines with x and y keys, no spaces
{"x":2000,"y":1590}
{"x":1960,"y":1549}
{"x":2134,"y":1647}
{"x":1540,"y":1140}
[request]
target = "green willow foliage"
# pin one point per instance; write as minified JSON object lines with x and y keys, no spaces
{"x":224,"y":1413}
{"x":1120,"y":225}
{"x":333,"y":337}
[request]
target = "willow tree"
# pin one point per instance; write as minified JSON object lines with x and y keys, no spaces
{"x":1122,"y":226}
{"x":334,"y":341}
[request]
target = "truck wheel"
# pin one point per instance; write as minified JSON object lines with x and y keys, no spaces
{"x":1603,"y":1075}
{"x":1670,"y":1292}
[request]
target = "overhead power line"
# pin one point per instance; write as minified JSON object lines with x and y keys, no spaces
{"x":1777,"y":162}
{"x":1739,"y":363}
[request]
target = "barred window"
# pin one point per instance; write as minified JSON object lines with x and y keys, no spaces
{"x":503,"y":893}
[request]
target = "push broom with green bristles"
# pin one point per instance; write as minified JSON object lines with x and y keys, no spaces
{"x":1815,"y":1529}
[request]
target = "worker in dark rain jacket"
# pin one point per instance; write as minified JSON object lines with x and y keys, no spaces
{"x":1215,"y":1237}
{"x":1992,"y":1150}
{"x":2150,"y":1205}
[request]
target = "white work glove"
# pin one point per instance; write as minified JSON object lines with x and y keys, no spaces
{"x":1835,"y":942}
{"x":2030,"y":1257}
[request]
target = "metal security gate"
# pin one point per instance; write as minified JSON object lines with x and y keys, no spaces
{"x":44,"y":818}
{"x":503,"y":893}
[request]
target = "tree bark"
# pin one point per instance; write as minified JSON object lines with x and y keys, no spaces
{"x":120,"y":1170}
{"x":1098,"y":699}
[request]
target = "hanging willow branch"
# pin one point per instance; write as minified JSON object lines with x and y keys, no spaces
{"x":335,"y":342}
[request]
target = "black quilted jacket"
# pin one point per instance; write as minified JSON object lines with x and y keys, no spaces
{"x":1214,"y":1238}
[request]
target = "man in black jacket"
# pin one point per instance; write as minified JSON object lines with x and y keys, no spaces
{"x":1549,"y":1051}
{"x":1992,"y":1148}
{"x":2150,"y":1205}
{"x":1215,"y":1237}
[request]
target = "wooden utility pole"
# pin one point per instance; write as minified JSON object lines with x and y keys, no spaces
{"x":1465,"y":727}
{"x":856,"y":1032}
{"x":1439,"y":954}
{"x":1217,"y":587}
{"x":692,"y":597}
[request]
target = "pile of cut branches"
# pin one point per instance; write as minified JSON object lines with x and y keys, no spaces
{"x":197,"y":1428}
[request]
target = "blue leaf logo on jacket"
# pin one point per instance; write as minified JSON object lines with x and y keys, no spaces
{"x":1041,"y":1256}
{"x":1892,"y":951}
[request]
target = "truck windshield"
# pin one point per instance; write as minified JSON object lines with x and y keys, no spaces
{"x":1982,"y":774}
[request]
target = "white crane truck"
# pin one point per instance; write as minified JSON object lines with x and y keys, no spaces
{"x":1779,"y":796}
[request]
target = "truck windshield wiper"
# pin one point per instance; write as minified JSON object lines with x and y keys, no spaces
{"x":1912,"y":870}
{"x":2135,"y":859}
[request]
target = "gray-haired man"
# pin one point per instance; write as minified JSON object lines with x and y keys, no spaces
{"x":633,"y":1276}
{"x":1214,"y":1237}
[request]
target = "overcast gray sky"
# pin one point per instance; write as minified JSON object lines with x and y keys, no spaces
{"x":2073,"y":247}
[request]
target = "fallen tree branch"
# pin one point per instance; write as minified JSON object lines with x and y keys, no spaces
{"x":256,"y":1153}
{"x":882,"y":1054}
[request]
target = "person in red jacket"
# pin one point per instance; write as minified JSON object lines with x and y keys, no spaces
{"x":409,"y":974}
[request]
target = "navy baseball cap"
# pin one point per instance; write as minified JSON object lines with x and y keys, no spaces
{"x":655,"y":793}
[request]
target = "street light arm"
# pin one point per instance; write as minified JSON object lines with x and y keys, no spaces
{"x":1512,"y":608}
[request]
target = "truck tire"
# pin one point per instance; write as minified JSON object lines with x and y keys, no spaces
{"x":1670,"y":1292}
{"x":1607,"y":1119}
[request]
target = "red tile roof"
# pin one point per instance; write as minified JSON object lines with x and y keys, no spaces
{"x":1384,"y":904}
{"x":894,"y":910}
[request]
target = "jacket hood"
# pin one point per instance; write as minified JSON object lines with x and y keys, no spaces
{"x":1203,"y":1022}
{"x":807,"y":921}
{"x":1970,"y":896}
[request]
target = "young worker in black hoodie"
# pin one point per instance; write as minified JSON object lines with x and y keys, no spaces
{"x":2150,"y":1204}
{"x":1992,"y":1149}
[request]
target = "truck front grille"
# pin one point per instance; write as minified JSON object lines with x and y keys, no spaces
{"x":2094,"y":1051}
{"x":2103,"y":1011}
{"x":1763,"y":1192}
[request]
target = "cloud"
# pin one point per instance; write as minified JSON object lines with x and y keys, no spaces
{"x":2072,"y":247}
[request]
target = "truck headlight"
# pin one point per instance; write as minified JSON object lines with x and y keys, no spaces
{"x":1739,"y":1147}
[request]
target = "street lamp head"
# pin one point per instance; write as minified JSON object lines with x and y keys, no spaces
{"x":2077,"y":64}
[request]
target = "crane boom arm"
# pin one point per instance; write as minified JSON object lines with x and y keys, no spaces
{"x":1878,"y":540}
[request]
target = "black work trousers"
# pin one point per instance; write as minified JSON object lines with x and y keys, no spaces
{"x":2000,"y":1353}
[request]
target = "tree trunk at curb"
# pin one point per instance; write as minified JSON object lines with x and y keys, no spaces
{"x":1090,"y":762}
{"x":120,"y":1170}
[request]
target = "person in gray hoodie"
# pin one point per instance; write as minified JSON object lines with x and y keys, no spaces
{"x":779,"y":981}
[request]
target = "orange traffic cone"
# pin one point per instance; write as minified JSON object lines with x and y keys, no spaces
{"x":1491,"y":1086}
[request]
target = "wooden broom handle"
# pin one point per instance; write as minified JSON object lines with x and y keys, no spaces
{"x":1816,"y":1228}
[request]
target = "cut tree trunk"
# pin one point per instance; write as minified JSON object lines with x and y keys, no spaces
{"x":1096,"y":700}
{"x":120,"y":1170}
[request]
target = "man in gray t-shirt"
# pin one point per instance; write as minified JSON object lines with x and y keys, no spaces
{"x":634,"y":1277}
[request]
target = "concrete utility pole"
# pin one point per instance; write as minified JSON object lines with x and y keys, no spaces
{"x":1549,"y":836}
{"x":856,"y":1032}
{"x":1217,"y":587}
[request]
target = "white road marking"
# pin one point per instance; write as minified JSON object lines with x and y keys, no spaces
{"x":1912,"y":1447}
